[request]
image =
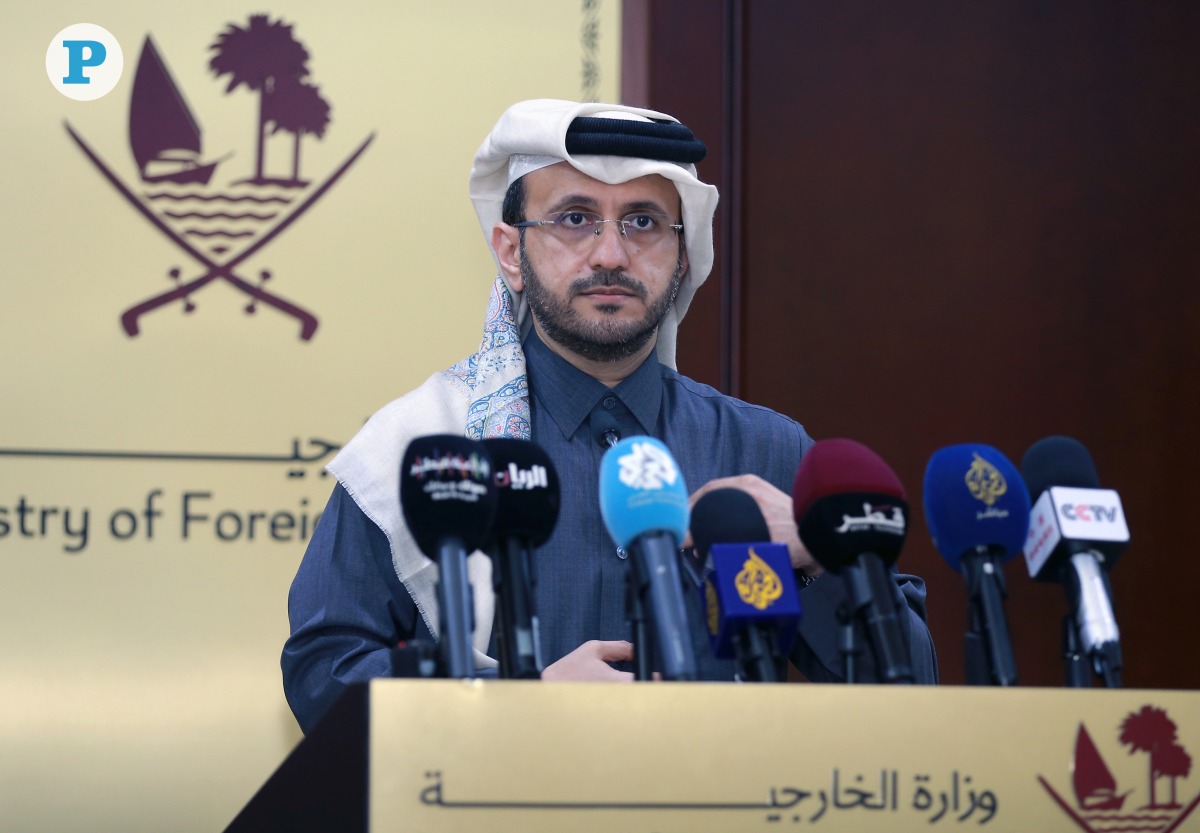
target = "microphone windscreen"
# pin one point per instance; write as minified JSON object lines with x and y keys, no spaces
{"x":446,"y":491}
{"x":838,"y":466}
{"x":642,"y":490}
{"x":975,"y":497}
{"x":527,"y":491}
{"x":750,"y":584}
{"x":847,"y":502}
{"x":727,"y":516}
{"x":1058,"y":461}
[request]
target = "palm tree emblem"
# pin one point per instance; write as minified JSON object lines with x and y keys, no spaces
{"x":1150,"y":730}
{"x":265,"y":56}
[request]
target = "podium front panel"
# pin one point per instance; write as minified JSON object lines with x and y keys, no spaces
{"x":533,"y":756}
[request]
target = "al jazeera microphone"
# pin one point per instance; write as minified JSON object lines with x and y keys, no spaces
{"x":977,"y":509}
{"x":751,"y":605}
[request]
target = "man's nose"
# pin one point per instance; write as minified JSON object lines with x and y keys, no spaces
{"x":610,"y":248}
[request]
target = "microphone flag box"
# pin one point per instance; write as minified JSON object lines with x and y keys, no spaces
{"x":750,"y":585}
{"x":1093,"y":518}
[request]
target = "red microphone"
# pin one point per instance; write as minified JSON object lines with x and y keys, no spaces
{"x":852,"y":516}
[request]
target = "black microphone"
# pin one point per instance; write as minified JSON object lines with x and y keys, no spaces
{"x":449,"y":500}
{"x":852,"y":517}
{"x":750,"y":599}
{"x":526,"y":511}
{"x":1076,"y":533}
{"x":603,"y":426}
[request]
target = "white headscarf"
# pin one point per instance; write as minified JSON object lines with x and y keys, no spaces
{"x":535,"y":133}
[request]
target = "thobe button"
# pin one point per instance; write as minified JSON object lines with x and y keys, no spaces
{"x":610,"y":402}
{"x":622,"y":553}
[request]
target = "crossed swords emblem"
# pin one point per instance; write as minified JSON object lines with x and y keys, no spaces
{"x":215,"y":268}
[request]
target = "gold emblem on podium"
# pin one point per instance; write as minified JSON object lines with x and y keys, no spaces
{"x":985,"y":481}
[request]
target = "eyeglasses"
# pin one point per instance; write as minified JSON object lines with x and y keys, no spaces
{"x":644,"y":229}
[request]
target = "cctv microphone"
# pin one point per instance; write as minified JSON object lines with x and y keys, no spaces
{"x":1076,"y":533}
{"x":527,"y":500}
{"x":644,"y":503}
{"x":449,"y":501}
{"x":977,"y":509}
{"x":853,"y":517}
{"x":750,"y":601}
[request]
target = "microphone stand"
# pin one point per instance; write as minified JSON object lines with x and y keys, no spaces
{"x":869,"y":589}
{"x":1095,"y":627}
{"x":848,"y":643}
{"x":520,"y":657}
{"x":455,"y":610}
{"x":756,"y":655}
{"x":635,"y":612}
{"x":985,"y":587}
{"x":1075,"y":664}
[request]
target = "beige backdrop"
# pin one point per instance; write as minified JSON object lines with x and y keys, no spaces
{"x":141,"y":684}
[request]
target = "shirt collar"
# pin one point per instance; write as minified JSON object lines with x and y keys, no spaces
{"x":576,"y":393}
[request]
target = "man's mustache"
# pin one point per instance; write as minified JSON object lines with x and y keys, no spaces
{"x":597,"y":280}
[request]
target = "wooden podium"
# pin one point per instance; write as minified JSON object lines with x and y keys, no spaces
{"x":500,"y":755}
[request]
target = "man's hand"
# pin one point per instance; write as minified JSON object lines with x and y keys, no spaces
{"x":590,"y":662}
{"x":776,"y":507}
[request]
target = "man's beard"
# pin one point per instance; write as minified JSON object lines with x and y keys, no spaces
{"x":606,"y":340}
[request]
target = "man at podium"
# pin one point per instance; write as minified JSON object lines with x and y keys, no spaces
{"x":602,"y":234}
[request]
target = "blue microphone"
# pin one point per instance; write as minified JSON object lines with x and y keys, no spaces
{"x":644,"y":503}
{"x":977,"y":508}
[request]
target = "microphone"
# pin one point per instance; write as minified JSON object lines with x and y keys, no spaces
{"x":1076,"y":533}
{"x":977,"y":509}
{"x":750,"y":599}
{"x":604,"y":428}
{"x":852,"y":516}
{"x":644,"y":503}
{"x":527,"y":500}
{"x":449,"y":500}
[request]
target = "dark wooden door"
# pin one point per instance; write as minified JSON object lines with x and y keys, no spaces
{"x":949,"y":222}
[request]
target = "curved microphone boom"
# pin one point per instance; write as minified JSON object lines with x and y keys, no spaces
{"x":644,"y":502}
{"x":853,"y":517}
{"x":1076,"y":533}
{"x":977,"y":509}
{"x":750,"y":599}
{"x":527,"y":495}
{"x":449,"y":500}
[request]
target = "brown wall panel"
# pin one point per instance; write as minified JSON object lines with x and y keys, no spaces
{"x":678,"y":66}
{"x":974,"y":222}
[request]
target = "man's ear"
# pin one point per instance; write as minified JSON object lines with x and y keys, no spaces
{"x":506,"y":241}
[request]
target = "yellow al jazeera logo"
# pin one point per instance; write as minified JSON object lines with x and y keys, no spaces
{"x":757,"y":584}
{"x":985,"y":481}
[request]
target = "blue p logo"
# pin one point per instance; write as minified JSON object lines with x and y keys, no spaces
{"x":80,"y":54}
{"x":84,"y":61}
